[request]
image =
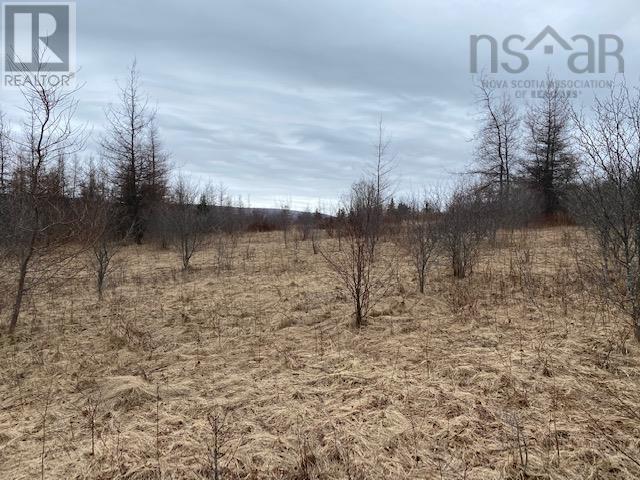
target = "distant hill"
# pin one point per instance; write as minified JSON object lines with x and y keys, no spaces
{"x":275,"y":212}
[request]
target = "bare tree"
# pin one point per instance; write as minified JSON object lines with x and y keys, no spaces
{"x":105,"y":248}
{"x":464,"y":226}
{"x":225,"y":245}
{"x":359,"y":224}
{"x":187,"y":223}
{"x":497,"y":140}
{"x":306,"y":225}
{"x":354,"y":263}
{"x":285,"y":221}
{"x":315,"y":231}
{"x":101,"y":224}
{"x":131,"y":146}
{"x":103,"y":230}
{"x":5,"y":152}
{"x":43,"y":226}
{"x":421,"y":237}
{"x":156,"y":168}
{"x":609,"y":194}
{"x":384,"y":162}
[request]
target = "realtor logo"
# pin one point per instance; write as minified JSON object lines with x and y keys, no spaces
{"x":38,"y":37}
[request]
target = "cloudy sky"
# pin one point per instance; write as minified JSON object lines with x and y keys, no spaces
{"x":279,"y":100}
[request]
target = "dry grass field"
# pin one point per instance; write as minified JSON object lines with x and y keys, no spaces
{"x":518,"y":371}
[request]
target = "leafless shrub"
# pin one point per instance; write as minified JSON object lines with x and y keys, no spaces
{"x":518,"y":440}
{"x":464,"y":226}
{"x":354,"y":264}
{"x":219,"y":444}
{"x":105,"y":238}
{"x":91,"y":410}
{"x":157,"y":421}
{"x":45,"y":412}
{"x":360,"y":223}
{"x":188,"y":226}
{"x":421,"y":238}
{"x":463,"y":298}
{"x":521,"y":266}
{"x":624,"y":405}
{"x":609,"y":194}
{"x":103,"y":252}
{"x":285,"y":221}
{"x":315,"y":244}
{"x":295,"y":245}
{"x":309,"y":224}
{"x":307,"y":461}
{"x":225,"y":245}
{"x":160,"y":226}
{"x":124,"y":330}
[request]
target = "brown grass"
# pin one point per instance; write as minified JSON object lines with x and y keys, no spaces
{"x":516,"y":372}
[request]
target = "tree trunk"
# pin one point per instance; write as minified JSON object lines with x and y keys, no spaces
{"x":359,"y":313}
{"x":17,"y":305}
{"x":458,"y":264}
{"x":421,"y":277}
{"x":635,"y":314}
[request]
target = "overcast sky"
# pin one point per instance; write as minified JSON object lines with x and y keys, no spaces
{"x":279,"y":100}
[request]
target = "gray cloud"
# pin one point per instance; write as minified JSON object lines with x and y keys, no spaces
{"x":279,"y":99}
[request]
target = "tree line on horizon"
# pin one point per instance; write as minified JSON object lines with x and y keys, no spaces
{"x":545,"y":162}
